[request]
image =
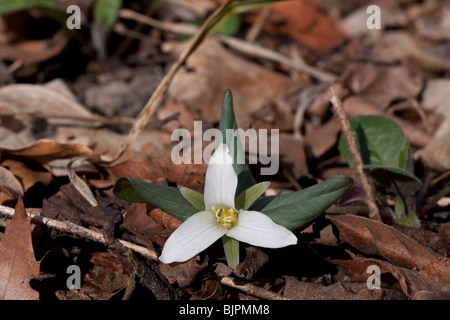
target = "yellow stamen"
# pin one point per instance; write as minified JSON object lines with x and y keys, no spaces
{"x":226,"y":217}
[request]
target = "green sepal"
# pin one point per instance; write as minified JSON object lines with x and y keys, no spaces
{"x":231,"y":248}
{"x":249,"y":196}
{"x":195,"y":198}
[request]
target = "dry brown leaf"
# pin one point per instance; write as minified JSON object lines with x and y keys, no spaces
{"x":436,"y":154}
{"x":18,"y":264}
{"x":300,"y":290}
{"x":187,"y":175}
{"x":253,"y":262}
{"x":9,"y":183}
{"x":293,"y":156}
{"x":403,"y":46}
{"x":28,"y":174}
{"x":147,"y":170}
{"x":138,"y":222}
{"x":44,"y":151}
{"x":436,"y":97}
{"x":166,"y":220}
{"x":376,"y":238}
{"x":322,"y":139}
{"x":310,"y":26}
{"x":216,"y":68}
{"x":106,"y":278}
{"x":381,"y":85}
{"x":38,"y":99}
{"x":35,"y":51}
{"x":184,"y":273}
{"x":411,"y":282}
{"x":211,"y":289}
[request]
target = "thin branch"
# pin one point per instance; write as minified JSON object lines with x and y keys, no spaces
{"x":251,"y":289}
{"x":356,"y":156}
{"x":256,"y":27}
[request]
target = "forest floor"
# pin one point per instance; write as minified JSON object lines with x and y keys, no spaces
{"x":70,"y":98}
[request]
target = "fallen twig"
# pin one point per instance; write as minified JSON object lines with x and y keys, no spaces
{"x":353,"y":147}
{"x":251,"y":289}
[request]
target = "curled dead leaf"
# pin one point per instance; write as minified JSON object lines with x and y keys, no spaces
{"x":184,"y":273}
{"x":253,"y":262}
{"x":378,"y":239}
{"x":9,"y":183}
{"x":211,"y":289}
{"x":166,"y":220}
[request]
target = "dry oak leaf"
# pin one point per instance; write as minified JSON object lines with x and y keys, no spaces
{"x":376,"y":238}
{"x":17,"y":262}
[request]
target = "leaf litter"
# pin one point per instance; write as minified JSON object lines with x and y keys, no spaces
{"x":397,"y":72}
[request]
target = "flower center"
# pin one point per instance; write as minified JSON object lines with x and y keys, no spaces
{"x":226,"y":217}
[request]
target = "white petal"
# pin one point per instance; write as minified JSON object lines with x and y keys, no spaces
{"x":257,"y":229}
{"x":194,"y":235}
{"x":221,"y":180}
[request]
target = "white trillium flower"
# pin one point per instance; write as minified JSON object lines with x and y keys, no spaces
{"x":221,"y":218}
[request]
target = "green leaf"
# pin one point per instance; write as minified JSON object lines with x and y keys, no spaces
{"x":228,"y":122}
{"x":394,"y":178}
{"x":296,"y":209}
{"x":167,"y":198}
{"x":231,"y":248}
{"x":411,"y":220}
{"x":106,"y":11}
{"x":11,"y":6}
{"x":385,"y":153}
{"x":380,"y":141}
{"x":195,"y":198}
{"x":249,"y":196}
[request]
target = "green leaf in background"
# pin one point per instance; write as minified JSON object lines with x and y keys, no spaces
{"x":231,"y":26}
{"x":166,"y":198}
{"x":106,"y":11}
{"x":380,"y":141}
{"x":409,"y":219}
{"x":11,"y":6}
{"x":405,"y":181}
{"x":294,"y":210}
{"x":385,"y":153}
{"x":228,"y":121}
